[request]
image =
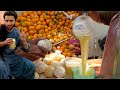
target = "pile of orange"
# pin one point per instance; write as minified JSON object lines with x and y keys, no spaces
{"x":48,"y":24}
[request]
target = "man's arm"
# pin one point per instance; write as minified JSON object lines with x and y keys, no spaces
{"x":6,"y":42}
{"x":2,"y":43}
{"x":24,"y":45}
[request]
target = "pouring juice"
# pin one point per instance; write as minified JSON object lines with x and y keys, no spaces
{"x":84,"y":42}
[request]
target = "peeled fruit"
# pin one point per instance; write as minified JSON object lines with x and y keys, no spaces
{"x":52,"y":57}
{"x":40,"y":67}
{"x":59,"y":64}
{"x":36,"y":75}
{"x":59,"y":71}
{"x":54,"y":63}
{"x":40,"y":59}
{"x":49,"y":72}
{"x":60,"y":78}
{"x":42,"y":76}
{"x":57,"y":52}
{"x":47,"y":60}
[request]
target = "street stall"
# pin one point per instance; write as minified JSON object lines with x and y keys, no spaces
{"x":58,"y":29}
{"x":56,"y":26}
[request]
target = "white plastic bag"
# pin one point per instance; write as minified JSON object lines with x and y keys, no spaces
{"x":83,"y":26}
{"x":45,"y":43}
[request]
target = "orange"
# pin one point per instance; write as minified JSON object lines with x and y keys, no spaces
{"x":41,"y":31}
{"x":61,"y":15}
{"x":43,"y":13}
{"x":45,"y":17}
{"x":69,"y":13}
{"x":51,"y":13}
{"x":35,"y":12}
{"x":24,"y":14}
{"x":35,"y":24}
{"x":71,"y":46}
{"x":67,"y":21}
{"x":52,"y":17}
{"x":59,"y":12}
{"x":34,"y":36}
{"x":31,"y":27}
{"x":28,"y":17}
{"x":28,"y":23}
{"x":32,"y":16}
{"x":58,"y":26}
{"x":23,"y":24}
{"x":54,"y":26}
{"x":60,"y":23}
{"x":41,"y":16}
{"x":44,"y":23}
{"x":49,"y":28}
{"x":39,"y":13}
{"x":66,"y":50}
{"x":66,"y":24}
{"x":42,"y":26}
{"x":50,"y":25}
{"x":64,"y":53}
{"x":18,"y":18}
{"x":62,"y":48}
{"x":31,"y":32}
{"x":29,"y":38}
{"x":41,"y":19}
{"x":33,"y":20}
{"x":54,"y":48}
{"x":22,"y":19}
{"x":46,"y":27}
{"x":48,"y":21}
{"x":40,"y":35}
{"x":49,"y":36}
{"x":35,"y":31}
{"x":25,"y":29}
{"x":19,"y":27}
{"x":69,"y":54}
{"x":46,"y":30}
{"x":17,"y":24}
{"x":38,"y":27}
{"x":39,"y":23}
{"x":48,"y":17}
{"x":63,"y":18}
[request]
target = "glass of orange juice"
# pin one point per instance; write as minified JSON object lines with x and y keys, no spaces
{"x":12,"y":44}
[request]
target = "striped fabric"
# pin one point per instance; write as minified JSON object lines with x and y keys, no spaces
{"x":109,"y":49}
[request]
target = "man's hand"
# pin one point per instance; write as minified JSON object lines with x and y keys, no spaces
{"x":38,"y":50}
{"x":23,"y":38}
{"x":22,"y":35}
{"x":76,"y":49}
{"x":35,"y":41}
{"x":35,"y":51}
{"x":8,"y":41}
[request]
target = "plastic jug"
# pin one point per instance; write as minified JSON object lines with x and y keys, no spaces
{"x":82,"y":28}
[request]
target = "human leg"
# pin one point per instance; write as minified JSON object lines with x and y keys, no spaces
{"x":4,"y":71}
{"x":24,"y":69}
